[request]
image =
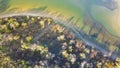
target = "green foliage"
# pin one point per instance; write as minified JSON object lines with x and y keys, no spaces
{"x":3,"y":48}
{"x":0,"y":37}
{"x":65,"y":54}
{"x":82,"y":55}
{"x":86,"y":51}
{"x":117,"y":62}
{"x":28,"y":38}
{"x":70,"y":49}
{"x":25,"y":46}
{"x":24,"y":24}
{"x":24,"y":64}
{"x":5,"y":61}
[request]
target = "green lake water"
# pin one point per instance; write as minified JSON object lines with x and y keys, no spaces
{"x":76,"y":11}
{"x":66,"y":8}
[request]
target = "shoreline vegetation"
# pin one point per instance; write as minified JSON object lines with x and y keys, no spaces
{"x":41,"y":42}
